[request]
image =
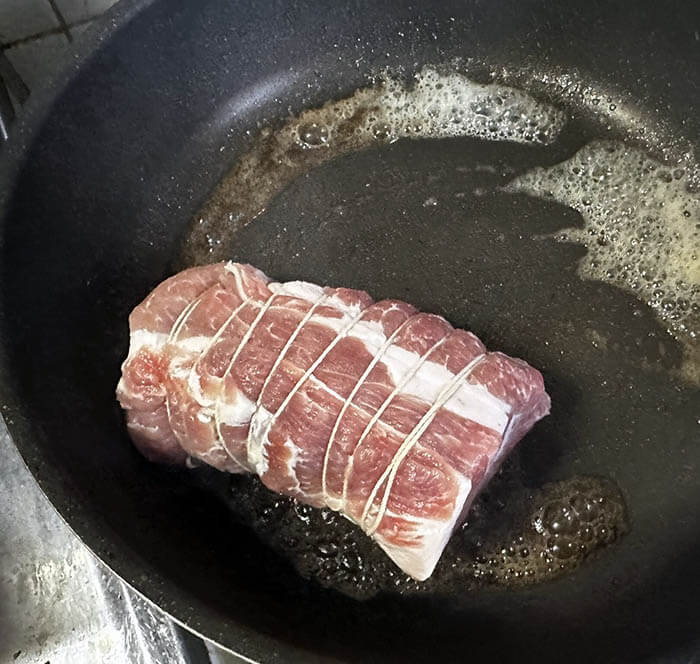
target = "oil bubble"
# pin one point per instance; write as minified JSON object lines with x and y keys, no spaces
{"x":558,"y":518}
{"x":615,"y":189}
{"x":561,"y":547}
{"x":336,"y":554}
{"x":382,"y":131}
{"x":585,"y":508}
{"x":434,"y":105}
{"x":586,"y":534}
{"x":560,"y":527}
{"x":313,"y":135}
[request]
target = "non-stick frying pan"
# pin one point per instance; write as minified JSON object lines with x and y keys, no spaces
{"x":104,"y":178}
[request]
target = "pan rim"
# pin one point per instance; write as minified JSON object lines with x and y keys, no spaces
{"x":22,"y":135}
{"x":26,"y":441}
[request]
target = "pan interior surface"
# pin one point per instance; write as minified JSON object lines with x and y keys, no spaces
{"x":431,"y":221}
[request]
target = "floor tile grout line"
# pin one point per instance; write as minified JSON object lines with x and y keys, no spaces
{"x":30,"y":38}
{"x":45,"y":33}
{"x":61,"y":21}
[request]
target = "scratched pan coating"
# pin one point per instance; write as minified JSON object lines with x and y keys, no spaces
{"x":100,"y":194}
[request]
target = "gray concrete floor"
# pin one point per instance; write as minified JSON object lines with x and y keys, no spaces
{"x":34,"y":33}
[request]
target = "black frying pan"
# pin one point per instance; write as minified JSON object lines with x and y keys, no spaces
{"x":101,"y":184}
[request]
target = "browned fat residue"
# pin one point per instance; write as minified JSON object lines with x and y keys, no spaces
{"x":513,"y":537}
{"x":561,"y":525}
{"x":641,"y":229}
{"x":432,"y":105}
{"x":275,"y":159}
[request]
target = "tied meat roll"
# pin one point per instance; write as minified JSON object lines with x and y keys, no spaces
{"x":388,"y":415}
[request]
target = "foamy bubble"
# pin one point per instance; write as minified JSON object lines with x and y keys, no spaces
{"x":642,"y":226}
{"x":433,"y":105}
{"x":549,"y":531}
{"x":440,"y":105}
{"x":572,"y":519}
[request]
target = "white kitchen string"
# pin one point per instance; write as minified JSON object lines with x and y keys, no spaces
{"x":341,"y":335}
{"x":392,"y":468}
{"x":380,"y":411}
{"x":283,"y":352}
{"x":234,"y":357}
{"x":360,"y":381}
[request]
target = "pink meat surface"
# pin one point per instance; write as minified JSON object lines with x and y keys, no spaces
{"x":387,"y":415}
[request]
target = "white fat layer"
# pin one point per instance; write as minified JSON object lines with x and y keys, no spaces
{"x":195,"y":344}
{"x":350,"y":310}
{"x":473,"y":402}
{"x":301,"y":289}
{"x":431,"y":537}
{"x":143,"y":337}
{"x":195,"y":387}
{"x":347,"y":314}
{"x":294,"y":455}
{"x":236,"y":272}
{"x":257,"y":439}
{"x":138,"y":426}
{"x":292,"y":462}
{"x":511,"y":429}
{"x":334,"y":503}
{"x":180,"y":367}
{"x":237,"y":412}
{"x":506,"y":444}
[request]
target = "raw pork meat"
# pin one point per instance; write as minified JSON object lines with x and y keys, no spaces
{"x":390,"y":416}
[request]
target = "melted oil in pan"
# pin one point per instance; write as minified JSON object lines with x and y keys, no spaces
{"x":539,"y":535}
{"x":640,"y":229}
{"x":437,"y":105}
{"x":642,"y":217}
